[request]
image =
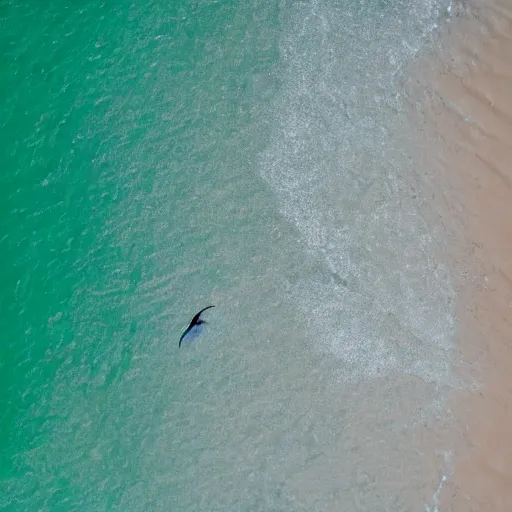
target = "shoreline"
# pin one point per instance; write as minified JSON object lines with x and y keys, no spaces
{"x":460,"y":95}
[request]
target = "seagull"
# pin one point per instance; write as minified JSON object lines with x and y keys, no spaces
{"x":194,"y":329}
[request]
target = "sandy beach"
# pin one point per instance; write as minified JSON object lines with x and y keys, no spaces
{"x":462,"y":97}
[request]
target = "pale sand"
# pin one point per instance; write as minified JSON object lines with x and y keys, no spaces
{"x":462,"y":98}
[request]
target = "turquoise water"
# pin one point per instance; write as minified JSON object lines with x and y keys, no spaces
{"x":160,"y":157}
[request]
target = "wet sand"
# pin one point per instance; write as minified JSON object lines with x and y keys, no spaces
{"x":462,"y":98}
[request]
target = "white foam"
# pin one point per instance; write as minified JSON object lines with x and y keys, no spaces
{"x":344,"y":181}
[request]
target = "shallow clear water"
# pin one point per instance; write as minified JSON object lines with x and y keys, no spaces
{"x":159,"y":158}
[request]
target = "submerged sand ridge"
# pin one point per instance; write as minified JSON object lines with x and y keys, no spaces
{"x":462,"y":97}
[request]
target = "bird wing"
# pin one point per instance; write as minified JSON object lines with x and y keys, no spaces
{"x":197,"y":315}
{"x":183,"y":335}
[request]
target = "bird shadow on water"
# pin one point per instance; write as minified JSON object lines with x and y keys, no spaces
{"x":193,"y":335}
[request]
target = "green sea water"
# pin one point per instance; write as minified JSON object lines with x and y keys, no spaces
{"x":159,"y":157}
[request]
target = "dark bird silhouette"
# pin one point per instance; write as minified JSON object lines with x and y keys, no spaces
{"x":194,"y":329}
